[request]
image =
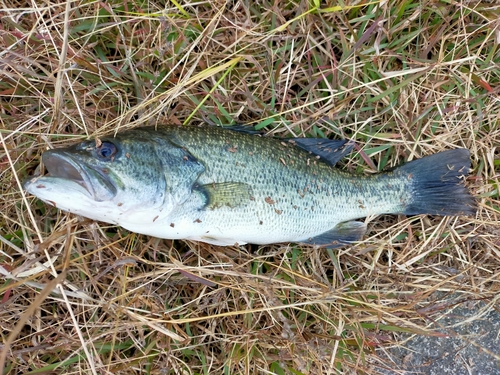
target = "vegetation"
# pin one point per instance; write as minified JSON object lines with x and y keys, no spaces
{"x":403,"y":79}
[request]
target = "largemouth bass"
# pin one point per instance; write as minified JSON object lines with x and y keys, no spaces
{"x":228,"y":187}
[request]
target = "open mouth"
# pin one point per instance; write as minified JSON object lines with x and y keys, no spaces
{"x":59,"y":166}
{"x":62,"y":165}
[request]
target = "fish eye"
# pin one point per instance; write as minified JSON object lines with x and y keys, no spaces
{"x":106,"y":150}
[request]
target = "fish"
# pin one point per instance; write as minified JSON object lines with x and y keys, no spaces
{"x":232,"y":187}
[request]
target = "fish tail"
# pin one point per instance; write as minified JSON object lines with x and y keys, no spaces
{"x":437,"y":184}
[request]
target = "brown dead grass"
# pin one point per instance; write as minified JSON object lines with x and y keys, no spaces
{"x":402,"y":79}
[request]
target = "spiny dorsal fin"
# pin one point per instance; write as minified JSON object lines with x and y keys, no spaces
{"x":243,"y":128}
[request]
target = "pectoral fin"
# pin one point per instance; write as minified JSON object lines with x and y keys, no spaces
{"x":225,"y":194}
{"x":342,"y":234}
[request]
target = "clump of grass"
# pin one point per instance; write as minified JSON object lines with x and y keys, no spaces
{"x":401,"y":79}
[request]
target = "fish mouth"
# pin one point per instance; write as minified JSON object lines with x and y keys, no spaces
{"x":62,"y":165}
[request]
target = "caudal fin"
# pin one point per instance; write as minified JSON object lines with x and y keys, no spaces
{"x":437,"y":184}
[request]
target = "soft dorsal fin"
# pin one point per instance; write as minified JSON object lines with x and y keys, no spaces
{"x":225,"y":194}
{"x":329,"y":150}
{"x":342,"y":234}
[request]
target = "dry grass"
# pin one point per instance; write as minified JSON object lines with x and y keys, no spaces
{"x":402,"y":79}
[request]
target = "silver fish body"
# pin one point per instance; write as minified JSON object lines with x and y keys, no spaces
{"x":229,"y":187}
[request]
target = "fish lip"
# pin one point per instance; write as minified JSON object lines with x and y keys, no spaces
{"x":62,"y":164}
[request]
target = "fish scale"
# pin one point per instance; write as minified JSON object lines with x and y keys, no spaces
{"x":277,"y":181}
{"x":230,"y":187}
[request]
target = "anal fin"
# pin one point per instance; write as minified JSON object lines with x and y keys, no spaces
{"x":342,"y":234}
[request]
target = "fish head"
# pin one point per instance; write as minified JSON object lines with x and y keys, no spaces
{"x":111,"y":179}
